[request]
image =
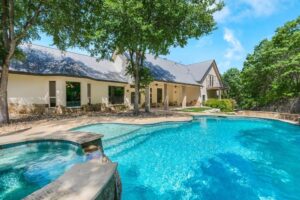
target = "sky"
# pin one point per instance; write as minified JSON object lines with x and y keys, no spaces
{"x":241,"y":25}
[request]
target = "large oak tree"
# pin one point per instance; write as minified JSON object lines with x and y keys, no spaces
{"x":137,"y":27}
{"x":24,"y":20}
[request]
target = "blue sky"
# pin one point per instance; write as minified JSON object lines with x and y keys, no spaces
{"x":241,"y":25}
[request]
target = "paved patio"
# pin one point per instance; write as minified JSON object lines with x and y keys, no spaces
{"x":60,"y":129}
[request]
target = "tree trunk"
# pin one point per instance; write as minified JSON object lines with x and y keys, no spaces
{"x":137,"y":90}
{"x":4,"y":117}
{"x":147,"y":99}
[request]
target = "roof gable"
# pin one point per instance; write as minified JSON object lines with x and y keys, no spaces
{"x":200,"y":70}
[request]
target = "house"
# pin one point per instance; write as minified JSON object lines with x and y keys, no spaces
{"x":50,"y":77}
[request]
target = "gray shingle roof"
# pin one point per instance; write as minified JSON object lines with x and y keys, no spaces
{"x":49,"y":61}
{"x":166,"y":70}
{"x":198,"y":70}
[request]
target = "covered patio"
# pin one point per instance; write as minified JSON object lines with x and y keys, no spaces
{"x":165,"y":95}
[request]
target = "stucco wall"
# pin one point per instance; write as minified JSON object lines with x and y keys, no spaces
{"x":193,"y":94}
{"x":29,"y":89}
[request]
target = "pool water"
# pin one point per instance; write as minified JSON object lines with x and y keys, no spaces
{"x":28,"y":167}
{"x":207,"y":158}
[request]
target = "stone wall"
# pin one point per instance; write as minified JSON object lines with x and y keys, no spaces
{"x":274,"y":115}
{"x":43,"y":109}
{"x":284,"y":106}
{"x":110,"y":191}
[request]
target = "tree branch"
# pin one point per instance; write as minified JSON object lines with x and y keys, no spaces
{"x":4,"y":24}
{"x":11,"y":20}
{"x":29,"y":22}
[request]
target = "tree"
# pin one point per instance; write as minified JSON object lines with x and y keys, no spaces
{"x":232,"y":80}
{"x":23,"y":21}
{"x":272,"y":72}
{"x":136,"y":27}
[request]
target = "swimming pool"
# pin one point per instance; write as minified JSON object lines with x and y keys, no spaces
{"x":207,"y":158}
{"x":28,"y":167}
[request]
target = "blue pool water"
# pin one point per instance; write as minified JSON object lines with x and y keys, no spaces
{"x":28,"y":167}
{"x":207,"y":158}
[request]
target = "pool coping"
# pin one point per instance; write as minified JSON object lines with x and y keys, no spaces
{"x":83,"y":181}
{"x":82,"y":139}
{"x":239,"y":115}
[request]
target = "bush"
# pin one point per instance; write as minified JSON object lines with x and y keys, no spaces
{"x":225,"y":105}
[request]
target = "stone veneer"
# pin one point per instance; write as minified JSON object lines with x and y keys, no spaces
{"x":273,"y":115}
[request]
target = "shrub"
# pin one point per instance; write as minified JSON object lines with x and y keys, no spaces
{"x":225,"y":105}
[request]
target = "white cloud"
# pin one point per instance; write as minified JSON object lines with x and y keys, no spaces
{"x":235,"y":50}
{"x":234,"y":53}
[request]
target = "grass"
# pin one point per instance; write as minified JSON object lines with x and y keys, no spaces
{"x":196,"y":109}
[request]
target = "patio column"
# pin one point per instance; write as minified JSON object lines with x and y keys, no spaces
{"x":61,"y":93}
{"x":220,"y":94}
{"x":166,"y":97}
{"x":183,"y":93}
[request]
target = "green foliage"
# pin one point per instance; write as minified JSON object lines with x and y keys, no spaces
{"x":149,"y":26}
{"x":271,"y":73}
{"x":24,"y":20}
{"x":232,"y":80}
{"x":54,"y":18}
{"x":225,"y":105}
{"x":135,"y":27}
{"x":145,"y":76}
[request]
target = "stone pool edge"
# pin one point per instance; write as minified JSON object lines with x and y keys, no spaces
{"x":91,"y":180}
{"x":82,"y":139}
{"x":243,"y":116}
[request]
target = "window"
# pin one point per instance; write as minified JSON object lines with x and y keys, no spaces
{"x":211,"y":80}
{"x":52,"y":93}
{"x":73,"y":94}
{"x":116,"y":95}
{"x":89,"y":93}
{"x":159,"y":95}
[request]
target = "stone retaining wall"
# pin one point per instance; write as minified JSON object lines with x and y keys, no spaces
{"x":284,"y":106}
{"x":44,"y":109}
{"x":274,"y":115}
